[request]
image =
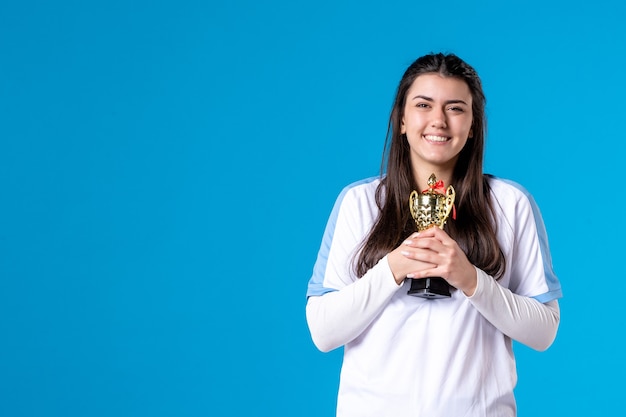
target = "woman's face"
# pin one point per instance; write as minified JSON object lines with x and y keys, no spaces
{"x":437,"y":121}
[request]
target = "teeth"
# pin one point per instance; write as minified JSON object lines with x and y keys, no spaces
{"x":434,"y":138}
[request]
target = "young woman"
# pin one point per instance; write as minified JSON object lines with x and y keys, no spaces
{"x":451,"y":356}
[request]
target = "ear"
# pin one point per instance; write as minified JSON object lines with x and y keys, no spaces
{"x":471,"y":134}
{"x":402,"y":126}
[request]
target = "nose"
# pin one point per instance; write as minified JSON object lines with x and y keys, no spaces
{"x":439,"y":119}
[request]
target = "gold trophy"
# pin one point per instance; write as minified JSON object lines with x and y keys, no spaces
{"x":431,"y":208}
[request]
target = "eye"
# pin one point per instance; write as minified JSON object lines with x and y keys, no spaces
{"x":422,"y":105}
{"x":456,"y":109}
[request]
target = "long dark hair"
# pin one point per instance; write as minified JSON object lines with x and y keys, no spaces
{"x":474,"y":227}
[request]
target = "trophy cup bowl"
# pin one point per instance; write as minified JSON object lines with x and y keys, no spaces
{"x":431,"y":208}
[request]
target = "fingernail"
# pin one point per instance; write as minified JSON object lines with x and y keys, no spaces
{"x":405,"y":253}
{"x":407,"y":242}
{"x":410,"y":275}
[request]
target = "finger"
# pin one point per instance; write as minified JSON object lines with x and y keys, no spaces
{"x":426,"y":256}
{"x":432,"y":244}
{"x":410,"y":241}
{"x":432,"y":231}
{"x":425,"y":273}
{"x":412,"y":237}
{"x":437,"y":233}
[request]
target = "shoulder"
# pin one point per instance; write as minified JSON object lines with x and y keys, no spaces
{"x":363,"y":186}
{"x":513,"y":202}
{"x":360,"y":190}
{"x":357,"y":202}
{"x":507,"y":189}
{"x":358,"y":193}
{"x":510,"y":196}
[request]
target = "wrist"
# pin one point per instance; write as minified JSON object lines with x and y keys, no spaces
{"x":397,"y":276}
{"x":470,"y":289}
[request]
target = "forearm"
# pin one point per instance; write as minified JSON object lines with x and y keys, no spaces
{"x":338,"y":317}
{"x":523,"y":319}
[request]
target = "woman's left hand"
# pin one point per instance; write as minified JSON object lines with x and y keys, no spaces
{"x":434,"y":246}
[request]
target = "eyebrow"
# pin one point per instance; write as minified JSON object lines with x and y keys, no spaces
{"x":446,"y":102}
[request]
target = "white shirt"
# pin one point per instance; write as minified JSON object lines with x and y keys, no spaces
{"x":408,"y":356}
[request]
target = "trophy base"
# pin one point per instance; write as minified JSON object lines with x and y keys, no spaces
{"x":430,"y":288}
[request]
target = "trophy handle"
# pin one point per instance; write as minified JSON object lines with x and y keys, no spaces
{"x":449,"y":204}
{"x":412,"y":205}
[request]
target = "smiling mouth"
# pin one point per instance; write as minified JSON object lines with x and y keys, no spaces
{"x":435,"y":138}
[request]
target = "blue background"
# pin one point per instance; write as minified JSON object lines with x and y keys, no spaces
{"x":167,"y":169}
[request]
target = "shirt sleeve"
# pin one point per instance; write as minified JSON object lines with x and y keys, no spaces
{"x":338,"y":317}
{"x":521,"y":318}
{"x":523,"y":303}
{"x":340,"y":305}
